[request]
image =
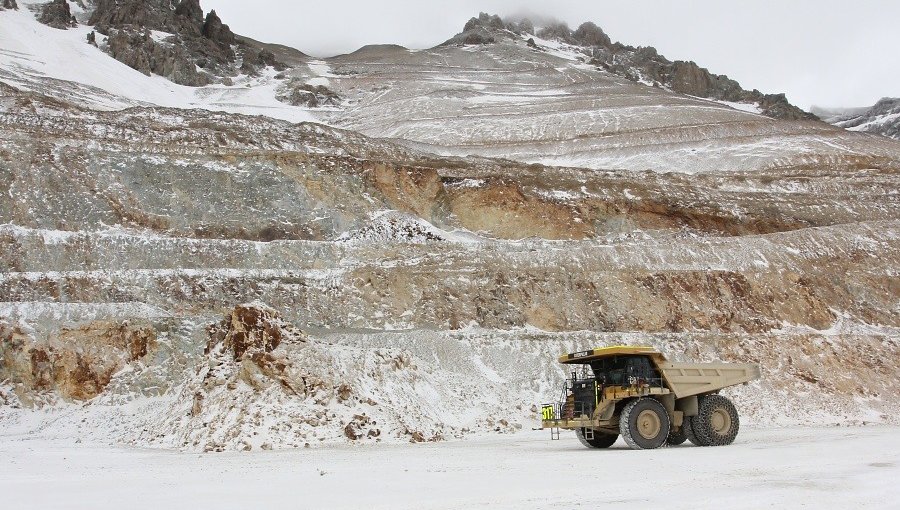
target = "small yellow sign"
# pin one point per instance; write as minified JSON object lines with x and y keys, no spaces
{"x":547,"y":412}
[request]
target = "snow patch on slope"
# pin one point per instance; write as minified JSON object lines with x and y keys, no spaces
{"x":35,"y":57}
{"x":744,"y":107}
{"x":395,"y":226}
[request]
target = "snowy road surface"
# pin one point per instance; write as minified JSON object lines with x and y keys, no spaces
{"x":767,"y":468}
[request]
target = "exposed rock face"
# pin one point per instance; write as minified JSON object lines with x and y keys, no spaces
{"x":57,"y":15}
{"x":250,"y":327}
{"x":216,"y":31}
{"x":475,"y":36}
{"x":254,"y":356}
{"x":589,"y":34}
{"x":736,"y":265}
{"x":297,"y":93}
{"x":8,"y":4}
{"x":557,"y":30}
{"x":191,"y":10}
{"x":76,"y":362}
{"x":645,"y":64}
{"x":485,"y":20}
{"x":206,"y":43}
{"x":152,"y":14}
{"x":140,"y":51}
{"x":882,"y":119}
{"x":521,"y":27}
{"x":485,"y":29}
{"x":255,"y":61}
{"x":689,"y":78}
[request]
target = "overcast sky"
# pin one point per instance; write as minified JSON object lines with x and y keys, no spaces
{"x":819,"y":52}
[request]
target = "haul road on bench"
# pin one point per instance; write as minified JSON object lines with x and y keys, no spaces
{"x":637,"y":393}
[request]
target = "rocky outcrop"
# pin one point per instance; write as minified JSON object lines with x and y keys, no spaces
{"x":8,"y":4}
{"x":589,"y":34}
{"x":881,"y":119}
{"x":57,"y":15}
{"x":486,"y":29}
{"x":249,"y":328}
{"x":216,"y":31}
{"x":557,"y":30}
{"x":485,"y":20}
{"x":475,"y":36}
{"x":647,"y":66}
{"x":297,"y":93}
{"x":140,"y":51}
{"x":196,"y":41}
{"x":151,"y":14}
{"x":253,"y":356}
{"x":191,"y":10}
{"x":75,"y":362}
{"x":521,"y":27}
{"x":254,"y":61}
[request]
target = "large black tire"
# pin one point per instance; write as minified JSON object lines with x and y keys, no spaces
{"x":600,"y":439}
{"x":688,"y":427}
{"x":677,"y":437}
{"x":644,"y":424}
{"x":717,"y":422}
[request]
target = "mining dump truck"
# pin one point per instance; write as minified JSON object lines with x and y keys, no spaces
{"x":637,"y":393}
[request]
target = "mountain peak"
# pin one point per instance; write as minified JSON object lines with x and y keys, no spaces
{"x":190,"y":9}
{"x":642,"y":64}
{"x":589,"y":34}
{"x":485,"y":20}
{"x":216,"y":31}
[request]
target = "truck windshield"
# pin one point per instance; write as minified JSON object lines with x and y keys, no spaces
{"x":624,"y":370}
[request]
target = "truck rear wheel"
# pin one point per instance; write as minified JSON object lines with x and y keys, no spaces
{"x":717,"y":422}
{"x":644,"y":424}
{"x":677,"y":437}
{"x":688,"y":428}
{"x":600,"y":439}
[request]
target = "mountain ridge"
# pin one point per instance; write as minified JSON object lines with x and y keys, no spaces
{"x":882,"y":119}
{"x":206,"y":40}
{"x":641,"y":64}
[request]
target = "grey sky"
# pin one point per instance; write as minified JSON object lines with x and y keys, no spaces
{"x":822,"y":52}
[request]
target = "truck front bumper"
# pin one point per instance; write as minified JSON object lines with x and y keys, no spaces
{"x":570,"y":423}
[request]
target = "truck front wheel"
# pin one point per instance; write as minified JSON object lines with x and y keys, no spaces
{"x":644,"y":424}
{"x":600,"y":440}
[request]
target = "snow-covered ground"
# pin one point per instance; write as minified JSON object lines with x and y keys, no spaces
{"x":36,"y":57}
{"x":766,"y":468}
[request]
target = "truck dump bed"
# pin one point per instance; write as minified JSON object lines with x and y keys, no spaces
{"x":687,"y":379}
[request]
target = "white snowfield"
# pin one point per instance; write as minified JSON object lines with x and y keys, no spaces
{"x":848,"y":468}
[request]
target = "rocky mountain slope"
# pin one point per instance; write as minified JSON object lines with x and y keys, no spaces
{"x":564,"y":107}
{"x":178,"y":277}
{"x":881,"y":119}
{"x":457,"y":100}
{"x":642,"y":65}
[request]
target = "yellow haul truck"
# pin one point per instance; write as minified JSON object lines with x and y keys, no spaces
{"x":650,"y":401}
